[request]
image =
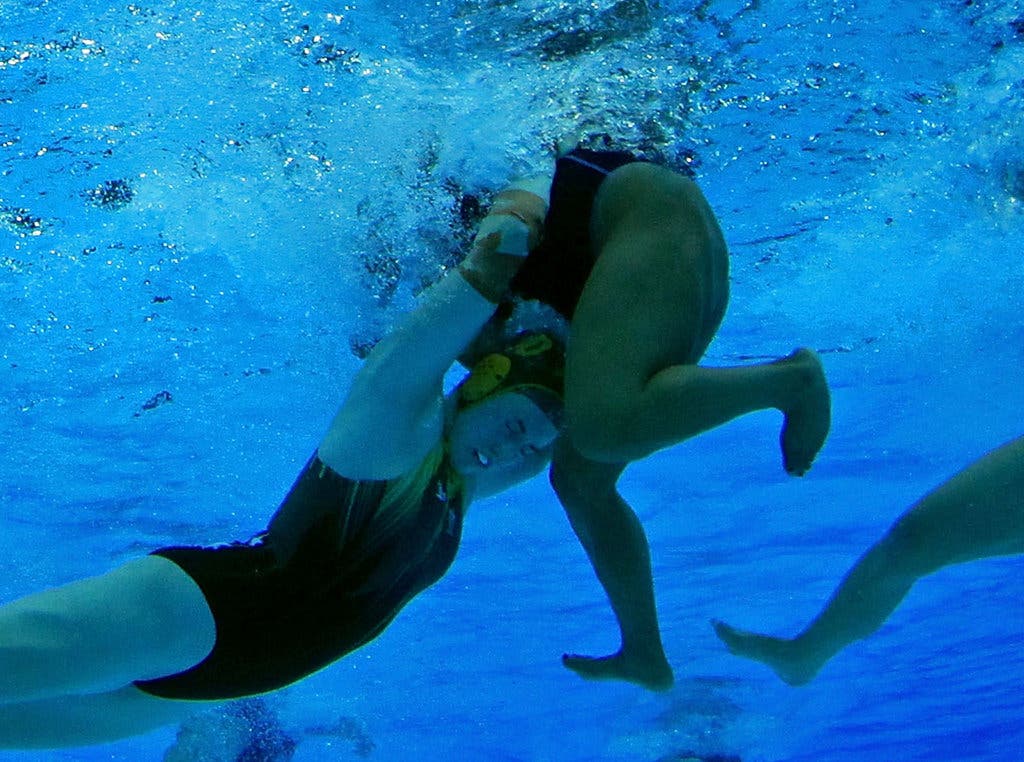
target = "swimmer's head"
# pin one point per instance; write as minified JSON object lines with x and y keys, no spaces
{"x":508,"y":412}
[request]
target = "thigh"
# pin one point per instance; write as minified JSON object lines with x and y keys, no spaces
{"x":978,"y":513}
{"x":87,"y":719}
{"x":658,"y":289}
{"x":144,"y":619}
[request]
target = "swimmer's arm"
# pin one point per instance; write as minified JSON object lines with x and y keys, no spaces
{"x":393,"y":414}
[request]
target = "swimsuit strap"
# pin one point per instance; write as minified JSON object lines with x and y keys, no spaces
{"x":589,"y":165}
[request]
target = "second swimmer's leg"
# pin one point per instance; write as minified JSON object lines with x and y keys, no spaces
{"x":651,"y":306}
{"x":616,"y":545}
{"x":976,"y":514}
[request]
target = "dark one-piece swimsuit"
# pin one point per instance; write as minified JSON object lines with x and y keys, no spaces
{"x":316,"y":585}
{"x":557,"y":269}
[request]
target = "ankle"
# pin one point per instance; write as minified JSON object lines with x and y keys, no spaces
{"x":801,"y":372}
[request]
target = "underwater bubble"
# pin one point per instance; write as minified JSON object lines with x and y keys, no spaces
{"x":110,"y":194}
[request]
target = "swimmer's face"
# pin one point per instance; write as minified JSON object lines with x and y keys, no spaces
{"x":502,"y":440}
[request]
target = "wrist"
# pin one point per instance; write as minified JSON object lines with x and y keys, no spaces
{"x":488,"y":271}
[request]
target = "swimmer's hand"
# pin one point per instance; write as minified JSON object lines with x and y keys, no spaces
{"x":510,"y":230}
{"x":651,"y":671}
{"x":489,"y":271}
{"x":517,"y":216}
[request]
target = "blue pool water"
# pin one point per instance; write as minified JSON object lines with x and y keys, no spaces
{"x":206,"y":210}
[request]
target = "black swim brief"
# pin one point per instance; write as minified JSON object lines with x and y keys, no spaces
{"x":556,"y":271}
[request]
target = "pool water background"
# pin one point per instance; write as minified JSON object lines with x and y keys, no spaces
{"x":205,"y":213}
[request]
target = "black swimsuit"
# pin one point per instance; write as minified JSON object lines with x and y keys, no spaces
{"x":314,"y":586}
{"x":556,"y":271}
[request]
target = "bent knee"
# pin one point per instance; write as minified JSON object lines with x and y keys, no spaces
{"x":580,"y":482}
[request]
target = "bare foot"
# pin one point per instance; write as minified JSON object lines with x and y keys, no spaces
{"x":655,"y":674}
{"x":781,"y":654}
{"x":809,"y":417}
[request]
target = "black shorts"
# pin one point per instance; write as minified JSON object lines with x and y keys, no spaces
{"x":557,"y":270}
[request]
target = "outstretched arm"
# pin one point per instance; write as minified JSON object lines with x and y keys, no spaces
{"x":615,"y":541}
{"x":393,"y":414}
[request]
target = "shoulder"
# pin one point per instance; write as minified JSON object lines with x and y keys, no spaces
{"x":374,"y":444}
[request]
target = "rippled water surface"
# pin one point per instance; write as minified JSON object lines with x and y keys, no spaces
{"x":209,"y":211}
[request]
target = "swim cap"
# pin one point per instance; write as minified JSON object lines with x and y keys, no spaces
{"x":533,"y":365}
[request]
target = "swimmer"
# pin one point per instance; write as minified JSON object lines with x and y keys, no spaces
{"x":633,"y":257}
{"x":373,"y":519}
{"x":978,"y":513}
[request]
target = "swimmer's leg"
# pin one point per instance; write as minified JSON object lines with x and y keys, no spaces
{"x":614,"y":540}
{"x":977,"y":514}
{"x":143,"y":620}
{"x":650,"y":308}
{"x":88,"y":719}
